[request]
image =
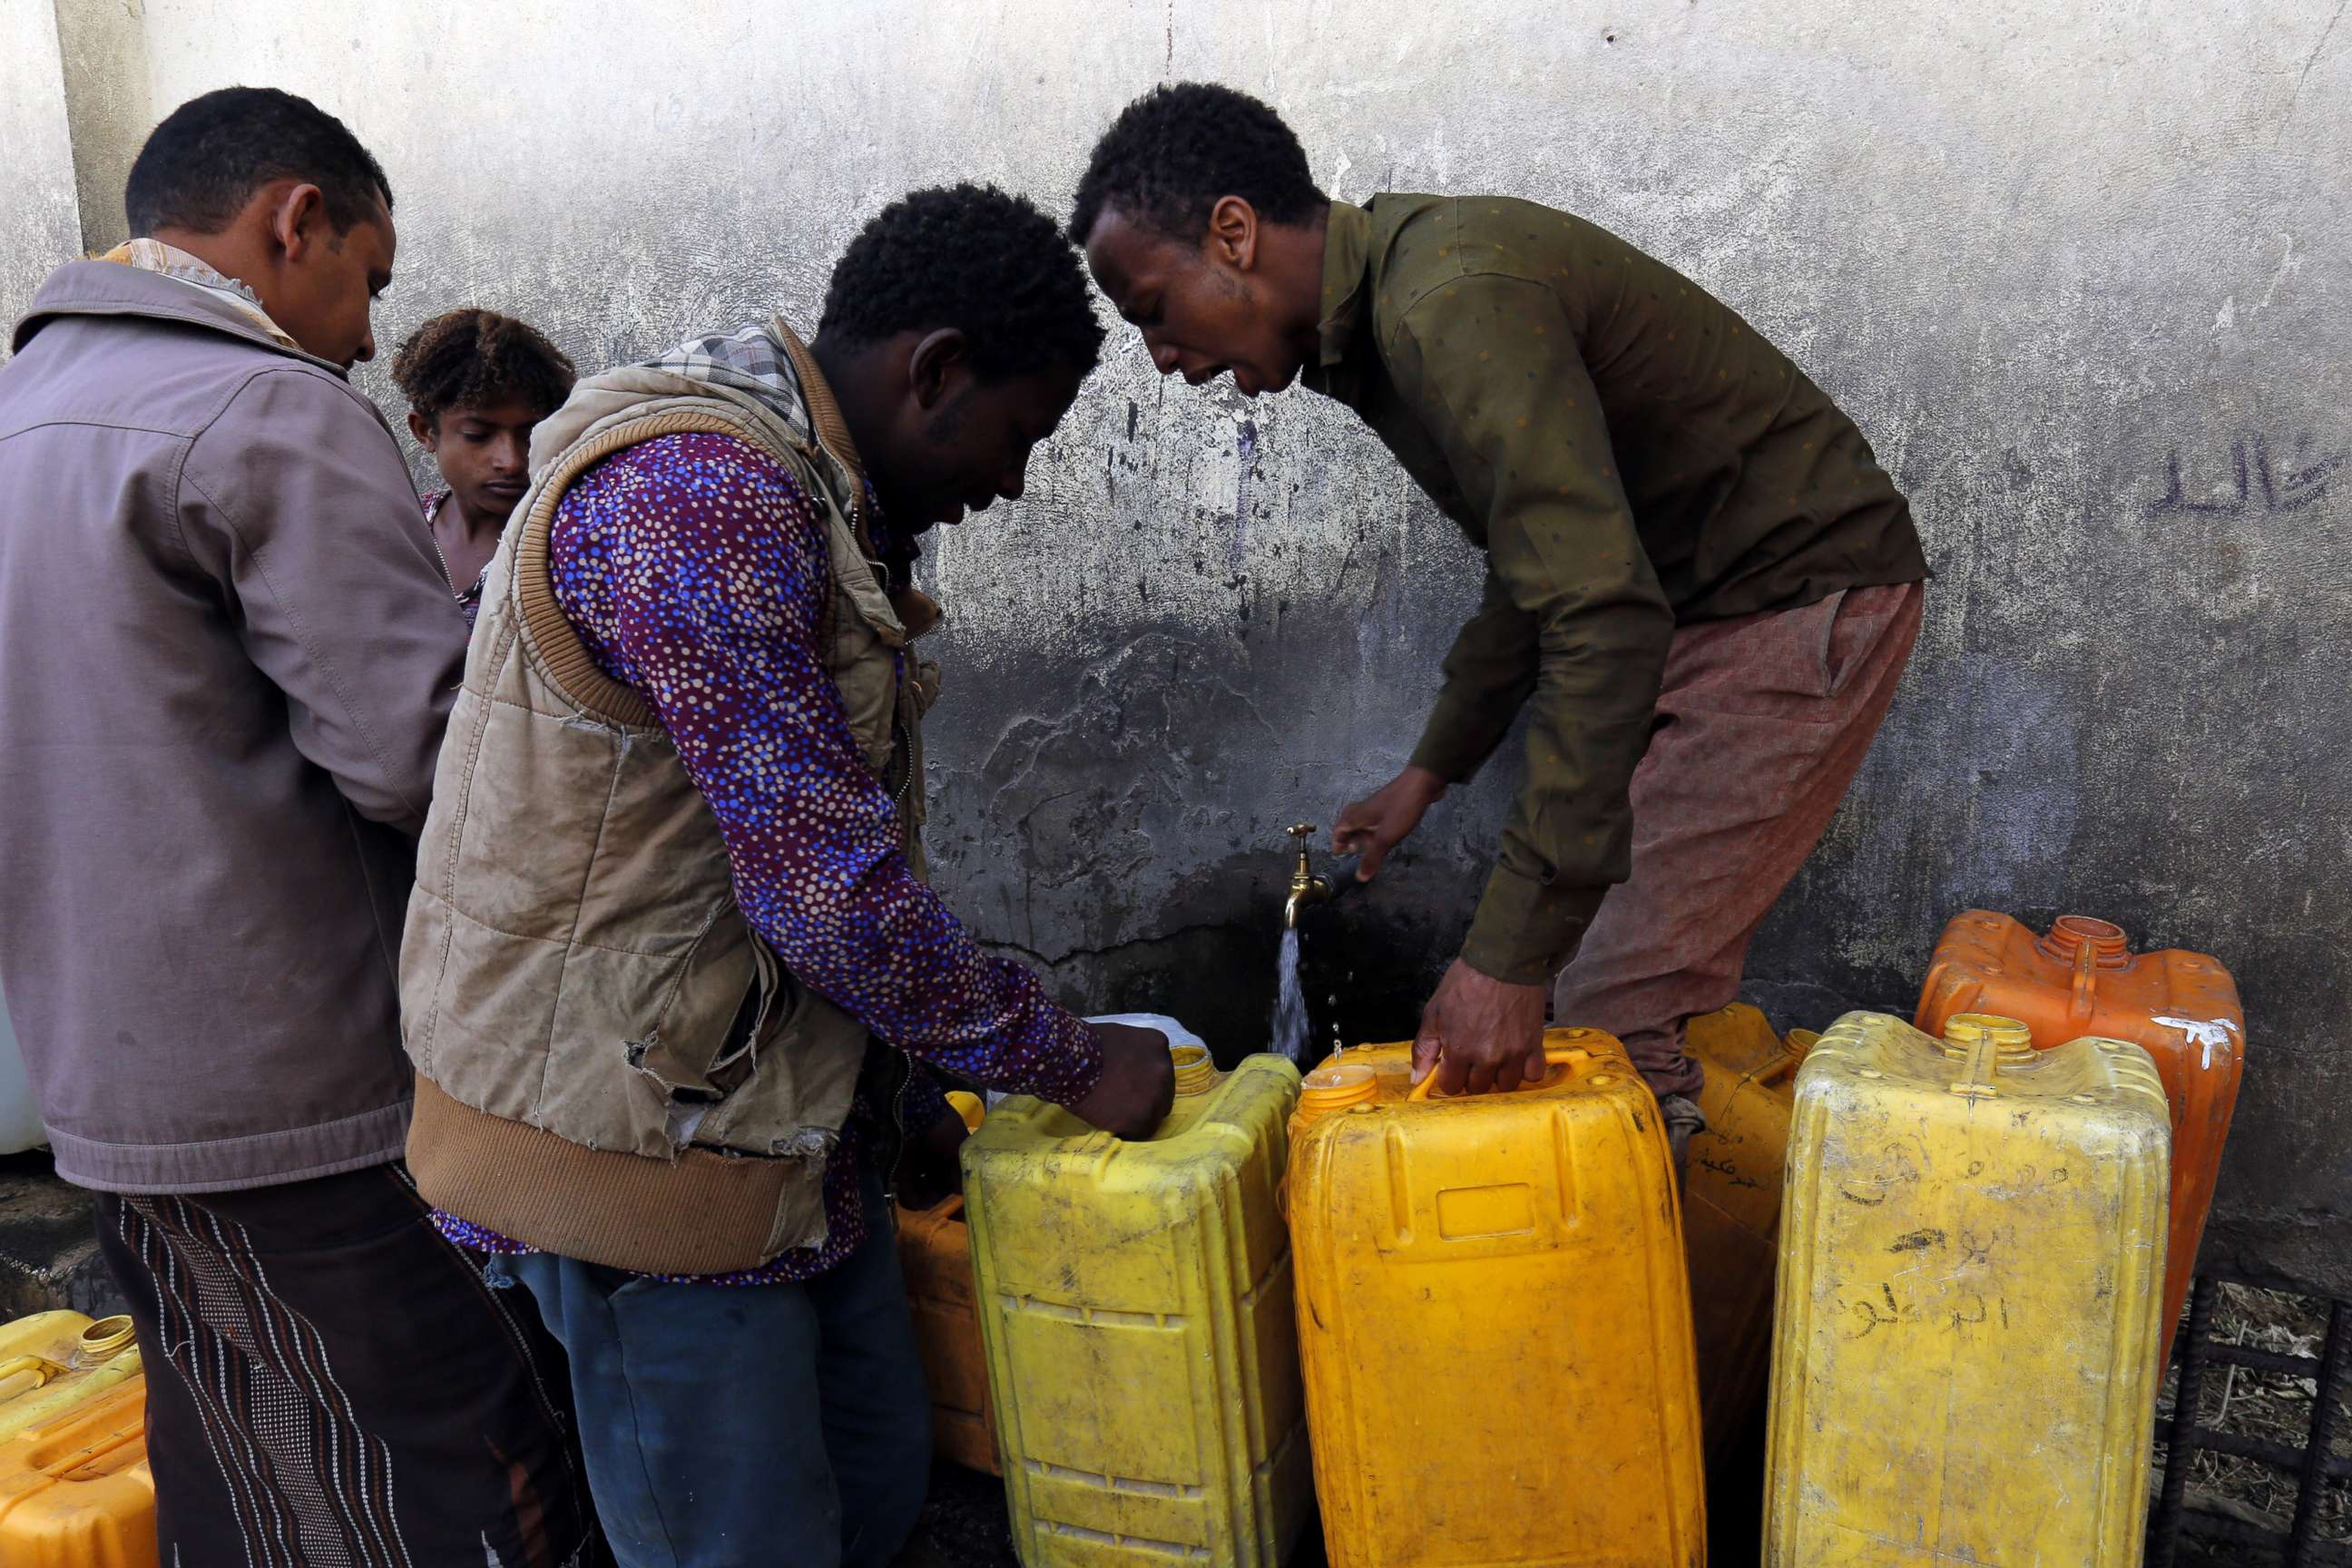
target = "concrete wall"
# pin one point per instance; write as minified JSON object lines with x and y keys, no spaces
{"x":2078,"y":270}
{"x":40,"y":223}
{"x":103,"y":46}
{"x":39,"y":226}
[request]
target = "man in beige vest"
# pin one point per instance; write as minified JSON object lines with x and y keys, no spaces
{"x":670,"y":914}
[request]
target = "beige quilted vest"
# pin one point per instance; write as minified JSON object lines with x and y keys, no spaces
{"x":611,"y":1065}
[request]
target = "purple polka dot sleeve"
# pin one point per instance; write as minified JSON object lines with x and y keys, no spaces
{"x":697,"y":572}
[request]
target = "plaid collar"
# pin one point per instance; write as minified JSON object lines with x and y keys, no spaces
{"x":752,"y":361}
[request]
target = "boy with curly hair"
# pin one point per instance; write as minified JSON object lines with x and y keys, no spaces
{"x":671,"y":959}
{"x":478,"y":383}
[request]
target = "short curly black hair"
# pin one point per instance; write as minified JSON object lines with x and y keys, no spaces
{"x":472,"y":359}
{"x":969,"y":257}
{"x":203,"y":163}
{"x":1172,"y":153}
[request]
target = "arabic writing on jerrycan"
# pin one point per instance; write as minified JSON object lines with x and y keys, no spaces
{"x":1971,"y":1263}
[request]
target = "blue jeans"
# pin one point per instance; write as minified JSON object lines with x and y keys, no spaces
{"x":745,"y":1423}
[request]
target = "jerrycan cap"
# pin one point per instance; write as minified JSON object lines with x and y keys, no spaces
{"x":1334,"y":1086}
{"x":2070,"y":934}
{"x":2008,"y":1036}
{"x":970,"y":1106}
{"x":1195,"y":1073}
{"x":1988,"y":1043}
{"x":104,"y":1340}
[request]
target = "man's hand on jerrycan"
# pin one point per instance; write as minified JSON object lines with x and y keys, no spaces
{"x":1138,"y":1083}
{"x":1480,"y":1033}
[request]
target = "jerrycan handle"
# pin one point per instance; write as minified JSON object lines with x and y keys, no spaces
{"x":2085,"y":1000}
{"x":1554,"y":1056}
{"x":24,"y":1373}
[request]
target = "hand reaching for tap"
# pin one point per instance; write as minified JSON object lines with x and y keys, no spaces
{"x":1377,"y":824}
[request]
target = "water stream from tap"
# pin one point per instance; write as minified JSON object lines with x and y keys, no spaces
{"x":1289,"y":1025}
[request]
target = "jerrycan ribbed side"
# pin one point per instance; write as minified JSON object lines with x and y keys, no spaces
{"x":1135,"y":1304}
{"x":1971,"y":1263}
{"x":1493,"y":1316}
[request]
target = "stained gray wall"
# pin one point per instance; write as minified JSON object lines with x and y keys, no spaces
{"x":39,"y":223}
{"x":2078,"y":271}
{"x":102,"y":47}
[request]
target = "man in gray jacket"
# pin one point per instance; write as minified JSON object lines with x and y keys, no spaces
{"x":226,"y":655}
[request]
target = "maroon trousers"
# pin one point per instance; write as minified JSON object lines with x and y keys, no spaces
{"x":1761,"y":724}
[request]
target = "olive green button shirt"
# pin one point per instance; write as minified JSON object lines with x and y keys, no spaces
{"x":1631,"y":456}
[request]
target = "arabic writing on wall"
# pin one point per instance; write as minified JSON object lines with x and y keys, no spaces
{"x":2288,"y":485}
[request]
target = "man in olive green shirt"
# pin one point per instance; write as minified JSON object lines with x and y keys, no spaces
{"x":1685,"y":538}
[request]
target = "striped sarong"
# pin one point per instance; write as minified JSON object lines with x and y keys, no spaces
{"x":331,"y":1384}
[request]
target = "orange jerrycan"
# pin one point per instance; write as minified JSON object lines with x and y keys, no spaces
{"x":2080,"y":977}
{"x":74,"y":1490}
{"x":1135,"y":1303}
{"x":1731,"y":1211}
{"x":935,"y":1254}
{"x":1971,"y":1265}
{"x":1493,"y":1316}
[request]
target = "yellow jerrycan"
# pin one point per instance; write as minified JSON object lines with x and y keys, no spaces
{"x":1493,"y":1316}
{"x":1731,"y":1212}
{"x":1971,"y":1271}
{"x":75,"y":1489}
{"x":1135,"y":1305}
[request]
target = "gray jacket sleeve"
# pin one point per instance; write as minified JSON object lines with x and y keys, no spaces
{"x":294,"y":499}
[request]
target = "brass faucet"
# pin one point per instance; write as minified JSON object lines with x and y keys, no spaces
{"x":1305,"y":887}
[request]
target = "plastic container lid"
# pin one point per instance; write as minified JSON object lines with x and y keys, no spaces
{"x":1334,"y":1086}
{"x":105,"y":1338}
{"x":1195,"y":1073}
{"x":2072,"y":934}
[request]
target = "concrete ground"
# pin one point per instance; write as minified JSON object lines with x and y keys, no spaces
{"x":963,"y":1523}
{"x":48,"y":1243}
